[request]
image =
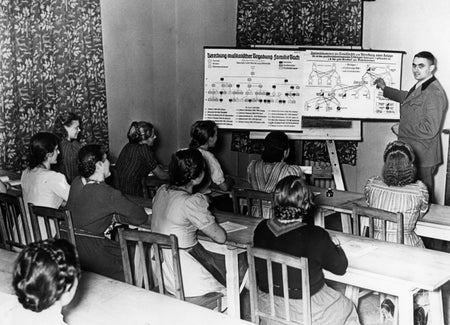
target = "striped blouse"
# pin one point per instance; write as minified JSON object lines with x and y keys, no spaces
{"x":135,"y":161}
{"x":411,"y":200}
{"x":68,"y":159}
{"x":265,"y":176}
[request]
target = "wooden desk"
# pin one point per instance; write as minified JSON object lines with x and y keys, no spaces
{"x":103,"y":301}
{"x":386,"y":267}
{"x":395,"y":269}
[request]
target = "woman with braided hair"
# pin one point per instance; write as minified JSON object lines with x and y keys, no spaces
{"x":289,"y":231}
{"x":398,"y":190}
{"x":137,"y":159}
{"x":178,"y":210}
{"x":96,"y":207}
{"x":45,"y":279}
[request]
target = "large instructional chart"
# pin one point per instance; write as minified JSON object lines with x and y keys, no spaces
{"x":253,"y":89}
{"x":272,"y":89}
{"x":340,"y":84}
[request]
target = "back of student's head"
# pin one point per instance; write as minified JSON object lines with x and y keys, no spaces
{"x":399,"y":169}
{"x":293,"y":198}
{"x":65,"y":119}
{"x":201,"y":131}
{"x":44,"y":271}
{"x":185,"y":165}
{"x":41,"y":144}
{"x":275,"y":145}
{"x":139,"y":131}
{"x":88,"y":156}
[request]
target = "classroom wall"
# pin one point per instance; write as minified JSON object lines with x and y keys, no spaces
{"x":153,"y":53}
{"x":411,"y":26}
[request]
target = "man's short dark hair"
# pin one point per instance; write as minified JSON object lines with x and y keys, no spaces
{"x":426,"y":55}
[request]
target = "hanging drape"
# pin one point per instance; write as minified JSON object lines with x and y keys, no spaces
{"x":51,"y":60}
{"x":301,"y":22}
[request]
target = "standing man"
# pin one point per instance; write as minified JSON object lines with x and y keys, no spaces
{"x":422,"y":111}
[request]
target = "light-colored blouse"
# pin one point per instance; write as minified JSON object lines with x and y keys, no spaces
{"x":411,"y":200}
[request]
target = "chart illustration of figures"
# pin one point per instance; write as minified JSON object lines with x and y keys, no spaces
{"x":340,"y":83}
{"x":253,"y":89}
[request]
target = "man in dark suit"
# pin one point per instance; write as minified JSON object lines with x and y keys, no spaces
{"x":422,"y":113}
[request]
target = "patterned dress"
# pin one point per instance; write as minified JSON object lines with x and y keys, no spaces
{"x":265,"y":176}
{"x":135,"y":161}
{"x":411,"y":200}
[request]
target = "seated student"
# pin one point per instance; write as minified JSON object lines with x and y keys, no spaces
{"x":398,"y":190}
{"x":178,"y":210}
{"x":67,"y":128}
{"x":40,"y":185}
{"x":204,"y":138}
{"x":264,"y":174}
{"x":137,"y":159}
{"x":45,"y":279}
{"x":95,"y":207}
{"x":287,"y":232}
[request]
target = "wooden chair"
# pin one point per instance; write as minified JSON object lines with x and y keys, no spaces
{"x":52,"y":219}
{"x":381,"y":218}
{"x":272,"y":258}
{"x":141,"y":273}
{"x":150,"y":185}
{"x":15,"y":230}
{"x":255,"y":202}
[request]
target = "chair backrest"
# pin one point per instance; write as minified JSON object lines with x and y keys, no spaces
{"x":52,"y":220}
{"x":285,"y":260}
{"x":379,"y":217}
{"x":150,"y":185}
{"x":255,"y":202}
{"x":137,"y":248}
{"x":14,"y":226}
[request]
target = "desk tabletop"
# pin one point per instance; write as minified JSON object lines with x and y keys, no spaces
{"x":391,"y":262}
{"x":103,"y":301}
{"x":339,"y":198}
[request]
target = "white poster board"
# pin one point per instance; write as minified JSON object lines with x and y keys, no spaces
{"x":339,"y":84}
{"x":253,"y":89}
{"x":272,"y":89}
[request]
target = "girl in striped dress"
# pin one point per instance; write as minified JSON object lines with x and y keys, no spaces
{"x":398,"y":190}
{"x":137,"y":159}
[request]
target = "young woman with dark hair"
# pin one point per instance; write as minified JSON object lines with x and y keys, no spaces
{"x":178,"y":210}
{"x":41,"y":185}
{"x":204,"y":138}
{"x":137,"y":159}
{"x":45,"y":279}
{"x":95,"y":208}
{"x":67,"y":128}
{"x":288,"y":231}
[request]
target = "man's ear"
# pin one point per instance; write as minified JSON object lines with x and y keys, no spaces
{"x":286,"y":153}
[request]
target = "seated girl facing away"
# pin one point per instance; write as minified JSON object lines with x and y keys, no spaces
{"x":178,"y":210}
{"x":45,"y":280}
{"x":287,"y":232}
{"x":95,"y":207}
{"x":67,"y":128}
{"x":398,"y":190}
{"x":204,"y":138}
{"x":137,"y":159}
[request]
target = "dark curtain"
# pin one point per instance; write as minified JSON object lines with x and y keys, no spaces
{"x":300,"y":22}
{"x":51,"y":60}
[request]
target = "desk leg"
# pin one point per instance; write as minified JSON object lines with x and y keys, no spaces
{"x":405,"y":308}
{"x":231,"y":262}
{"x":319,"y":218}
{"x":346,"y":221}
{"x":436,"y":315}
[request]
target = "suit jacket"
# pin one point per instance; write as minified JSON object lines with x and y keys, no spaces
{"x":422,"y":113}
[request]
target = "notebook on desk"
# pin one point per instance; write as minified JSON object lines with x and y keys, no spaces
{"x":229,"y":226}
